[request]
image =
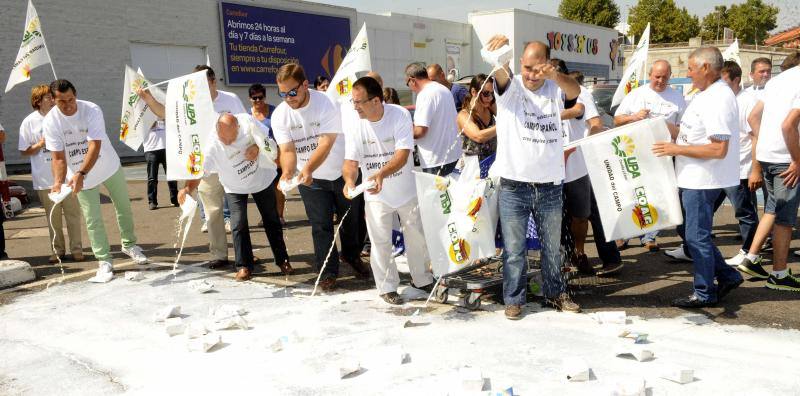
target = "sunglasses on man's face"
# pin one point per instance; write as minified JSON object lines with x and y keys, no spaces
{"x":257,"y":98}
{"x":487,"y":94}
{"x":291,"y":93}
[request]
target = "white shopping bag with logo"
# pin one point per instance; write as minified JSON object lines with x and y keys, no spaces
{"x":459,"y":219}
{"x":636,"y":191}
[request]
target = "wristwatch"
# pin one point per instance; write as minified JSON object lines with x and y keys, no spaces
{"x":82,"y":173}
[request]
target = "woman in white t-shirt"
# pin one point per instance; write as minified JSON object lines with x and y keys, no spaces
{"x":32,"y":145}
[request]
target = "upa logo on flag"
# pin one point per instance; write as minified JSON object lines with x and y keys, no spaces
{"x":644,"y":215}
{"x":189,"y":93}
{"x":623,"y":148}
{"x":459,"y":248}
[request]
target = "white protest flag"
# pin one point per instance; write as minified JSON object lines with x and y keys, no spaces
{"x":732,"y":53}
{"x":459,"y":219}
{"x":32,"y":52}
{"x":354,"y":63}
{"x":635,"y":70}
{"x":190,"y":117}
{"x":636,"y":191}
{"x":136,"y":118}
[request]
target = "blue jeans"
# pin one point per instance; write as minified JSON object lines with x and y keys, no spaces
{"x":517,"y":200}
{"x":745,"y":210}
{"x":698,"y":206}
{"x":226,"y":209}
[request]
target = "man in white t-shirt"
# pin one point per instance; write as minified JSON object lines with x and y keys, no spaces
{"x":706,"y":153}
{"x":742,"y":197}
{"x":212,"y":195}
{"x":530,"y":165}
{"x":775,"y":127}
{"x":32,"y":145}
{"x":657,"y":99}
{"x":83,"y":157}
{"x":435,"y":128}
{"x":155,"y":153}
{"x":307,"y":127}
{"x":760,"y":74}
{"x":380,"y":142}
{"x":243,"y":173}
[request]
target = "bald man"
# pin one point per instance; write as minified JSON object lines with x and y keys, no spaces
{"x":376,"y":76}
{"x":530,"y":165}
{"x":435,"y":73}
{"x":233,"y":154}
{"x":656,"y":99}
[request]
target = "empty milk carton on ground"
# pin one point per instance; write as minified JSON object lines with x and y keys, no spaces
{"x":174,"y":326}
{"x":471,"y":379}
{"x":134,"y":276}
{"x":347,"y":367}
{"x":205,"y":343}
{"x":610,"y":317}
{"x":201,"y":285}
{"x":679,"y":374}
{"x":196,"y":330}
{"x":167,"y":312}
{"x":640,"y":354}
{"x":577,"y":369}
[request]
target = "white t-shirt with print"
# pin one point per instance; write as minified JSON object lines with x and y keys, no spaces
{"x":228,"y":102}
{"x":30,"y":132}
{"x":578,"y":129}
{"x":529,"y":140}
{"x":668,"y":103}
{"x":71,"y":134}
{"x":745,"y":101}
{"x":237,"y":174}
{"x":781,"y":94}
{"x":156,"y":138}
{"x":373,"y":144}
{"x":304,"y":125}
{"x":712,"y":112}
{"x":436,"y":110}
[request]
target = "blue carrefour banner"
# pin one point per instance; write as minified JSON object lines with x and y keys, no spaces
{"x":257,"y":41}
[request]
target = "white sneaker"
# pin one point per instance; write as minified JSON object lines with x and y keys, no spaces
{"x":228,"y":226}
{"x":204,"y":227}
{"x":135,"y":253}
{"x":678,"y":254}
{"x":737,"y":259}
{"x":105,"y":271}
{"x":797,"y":253}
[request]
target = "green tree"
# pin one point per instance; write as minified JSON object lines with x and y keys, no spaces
{"x":713,"y":24}
{"x":596,"y":12}
{"x":752,"y":20}
{"x":668,"y":23}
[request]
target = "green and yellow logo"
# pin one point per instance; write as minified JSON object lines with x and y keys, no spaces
{"x":459,"y":248}
{"x":31,"y":31}
{"x":624,"y":148}
{"x":189,"y":93}
{"x":644,"y":214}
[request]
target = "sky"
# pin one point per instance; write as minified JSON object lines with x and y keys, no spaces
{"x":458,"y":10}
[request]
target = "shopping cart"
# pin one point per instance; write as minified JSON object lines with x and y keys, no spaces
{"x":484,"y":275}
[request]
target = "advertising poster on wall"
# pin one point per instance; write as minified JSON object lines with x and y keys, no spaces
{"x":257,"y":41}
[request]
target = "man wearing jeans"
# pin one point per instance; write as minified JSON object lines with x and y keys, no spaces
{"x":775,"y":125}
{"x":75,"y":134}
{"x":307,"y":126}
{"x":706,"y":155}
{"x":233,"y":155}
{"x":435,"y":128}
{"x":745,"y":204}
{"x":530,"y":165}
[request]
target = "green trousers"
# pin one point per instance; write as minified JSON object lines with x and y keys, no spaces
{"x":90,"y":206}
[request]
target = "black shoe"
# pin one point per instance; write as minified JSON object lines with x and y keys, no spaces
{"x":581,"y":262}
{"x":214,"y":264}
{"x":392,"y":298}
{"x":361,"y":268}
{"x":691,"y":302}
{"x":754,"y":269}
{"x":787,"y":283}
{"x":174,"y":201}
{"x":153,"y":206}
{"x":725,"y":288}
{"x":609,"y":269}
{"x":427,"y":288}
